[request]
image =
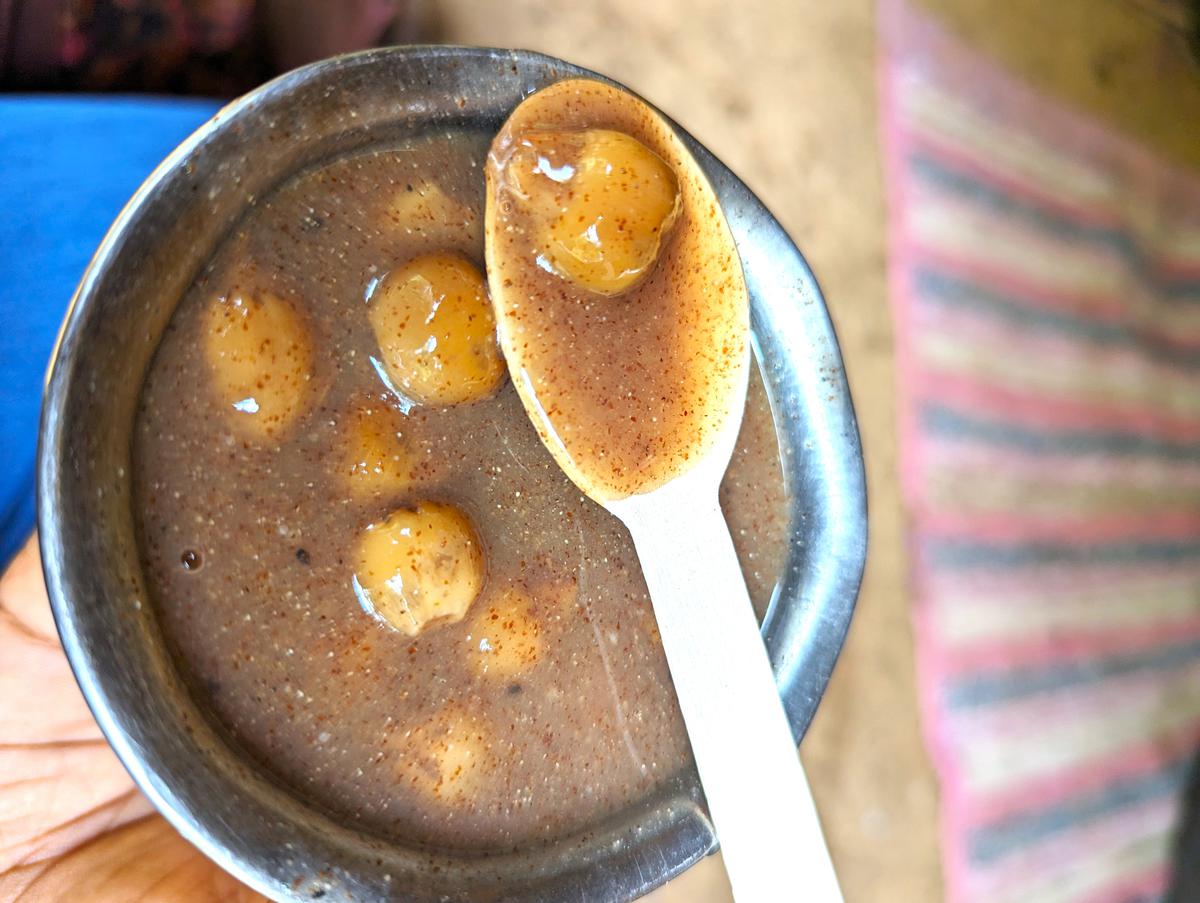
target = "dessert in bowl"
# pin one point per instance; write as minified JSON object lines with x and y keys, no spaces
{"x":275,"y":446}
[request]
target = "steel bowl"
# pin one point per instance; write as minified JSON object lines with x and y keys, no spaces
{"x":226,"y":805}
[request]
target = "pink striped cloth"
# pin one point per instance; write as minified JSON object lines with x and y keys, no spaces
{"x":1045,"y":281}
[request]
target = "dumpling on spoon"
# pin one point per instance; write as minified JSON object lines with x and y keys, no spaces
{"x":619,"y":298}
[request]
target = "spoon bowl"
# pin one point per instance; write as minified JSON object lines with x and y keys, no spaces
{"x":220,"y":800}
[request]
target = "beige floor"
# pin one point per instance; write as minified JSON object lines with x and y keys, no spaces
{"x":784,"y":92}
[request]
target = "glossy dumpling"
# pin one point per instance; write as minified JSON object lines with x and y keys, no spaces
{"x":436,"y":331}
{"x":259,"y":352}
{"x":419,"y":566}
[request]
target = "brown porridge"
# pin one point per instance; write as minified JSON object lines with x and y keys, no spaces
{"x":526,"y":696}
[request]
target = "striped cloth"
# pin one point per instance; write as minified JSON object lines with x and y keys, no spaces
{"x":1045,"y":280}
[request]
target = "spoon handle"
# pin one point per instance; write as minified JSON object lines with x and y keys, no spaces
{"x":757,"y":794}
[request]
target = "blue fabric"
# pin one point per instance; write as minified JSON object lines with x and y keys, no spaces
{"x":67,"y":166}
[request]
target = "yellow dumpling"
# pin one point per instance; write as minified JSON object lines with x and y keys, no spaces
{"x":506,"y":637}
{"x":260,"y":358}
{"x":419,"y":566}
{"x":437,"y":337}
{"x":601,"y":202}
{"x":376,"y":459}
{"x":426,"y":214}
{"x":445,"y":759}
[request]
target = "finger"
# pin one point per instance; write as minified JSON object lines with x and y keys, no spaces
{"x":23,"y":593}
{"x":53,"y":799}
{"x":60,"y":784}
{"x":147,"y":860}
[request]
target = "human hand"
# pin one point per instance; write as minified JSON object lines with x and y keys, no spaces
{"x":73,"y":826}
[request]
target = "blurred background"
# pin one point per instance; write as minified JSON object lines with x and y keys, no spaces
{"x":1002,"y":204}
